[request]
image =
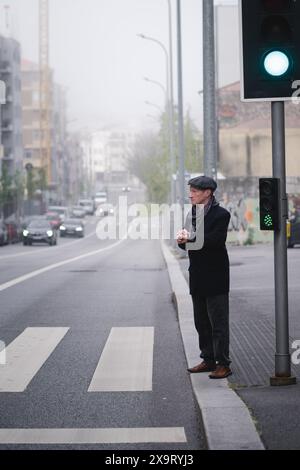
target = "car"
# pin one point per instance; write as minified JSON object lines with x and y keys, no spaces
{"x":62,"y":211}
{"x":54,"y":219}
{"x":40,"y":231}
{"x":126,"y":189}
{"x":88,"y":205}
{"x":3,"y":234}
{"x":29,"y":218}
{"x":100,"y":197}
{"x":104,"y":210}
{"x":77,"y":212}
{"x":72,"y":227}
{"x":14,"y":230}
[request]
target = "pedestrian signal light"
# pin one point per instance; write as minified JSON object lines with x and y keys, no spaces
{"x":270,"y":44}
{"x":276,"y":63}
{"x":269,"y":203}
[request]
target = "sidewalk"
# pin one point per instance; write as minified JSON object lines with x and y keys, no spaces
{"x":243,"y":412}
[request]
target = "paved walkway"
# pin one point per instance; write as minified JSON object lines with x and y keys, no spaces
{"x":244,"y":412}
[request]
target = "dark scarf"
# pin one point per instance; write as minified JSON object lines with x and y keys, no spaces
{"x":211,"y":203}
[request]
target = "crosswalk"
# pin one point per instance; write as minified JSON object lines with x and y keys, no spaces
{"x":93,"y":436}
{"x":125,"y":364}
{"x":26,"y":355}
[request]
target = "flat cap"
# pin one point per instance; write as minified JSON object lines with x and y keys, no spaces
{"x":203,"y":182}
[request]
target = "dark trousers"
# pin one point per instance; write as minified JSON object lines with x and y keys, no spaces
{"x":211,"y":315}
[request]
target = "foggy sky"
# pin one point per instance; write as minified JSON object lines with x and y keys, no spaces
{"x":96,"y":54}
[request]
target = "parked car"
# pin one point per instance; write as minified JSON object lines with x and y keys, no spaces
{"x":77,"y":212}
{"x":54,"y":219}
{"x":100,"y":197}
{"x":104,"y":210}
{"x":88,"y":205}
{"x":62,"y":211}
{"x":39,"y":231}
{"x":14,"y":230}
{"x":3,"y":234}
{"x":72,"y":227}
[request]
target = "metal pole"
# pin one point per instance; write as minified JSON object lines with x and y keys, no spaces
{"x":282,"y":355}
{"x":180,"y":116}
{"x":168,"y":107}
{"x":216,"y":26}
{"x":209,"y":90}
{"x":171,"y":113}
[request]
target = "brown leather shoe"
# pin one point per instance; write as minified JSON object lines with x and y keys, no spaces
{"x":203,"y":367}
{"x":221,"y":372}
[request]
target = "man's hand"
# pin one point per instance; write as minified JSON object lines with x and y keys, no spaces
{"x":183,"y":236}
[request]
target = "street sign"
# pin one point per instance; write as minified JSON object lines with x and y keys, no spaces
{"x":270,"y":44}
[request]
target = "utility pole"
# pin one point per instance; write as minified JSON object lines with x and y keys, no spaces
{"x":209,"y":90}
{"x":181,"y":178}
{"x":171,"y":105}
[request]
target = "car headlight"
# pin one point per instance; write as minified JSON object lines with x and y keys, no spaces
{"x":25,"y":233}
{"x":78,"y":229}
{"x":62,"y":227}
{"x":50,"y":233}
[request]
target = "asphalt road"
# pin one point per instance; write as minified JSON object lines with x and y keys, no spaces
{"x":86,"y":290}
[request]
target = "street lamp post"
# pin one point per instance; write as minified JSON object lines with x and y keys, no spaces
{"x":160,"y":85}
{"x":180,"y":116}
{"x":169,"y":104}
{"x":154,"y":105}
{"x":172,"y":135}
{"x":209,"y":87}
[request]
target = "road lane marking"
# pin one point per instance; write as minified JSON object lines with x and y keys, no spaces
{"x":93,"y":436}
{"x":25,"y":277}
{"x":26,"y":355}
{"x":126,"y":362}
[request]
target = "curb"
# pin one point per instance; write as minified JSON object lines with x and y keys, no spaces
{"x":227,"y":422}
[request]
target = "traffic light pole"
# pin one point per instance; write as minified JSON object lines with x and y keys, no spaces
{"x":282,"y":355}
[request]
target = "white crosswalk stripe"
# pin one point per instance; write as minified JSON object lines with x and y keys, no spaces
{"x":126,"y":362}
{"x":26,"y":355}
{"x":92,"y":436}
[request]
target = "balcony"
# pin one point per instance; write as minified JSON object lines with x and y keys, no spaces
{"x":7,"y":127}
{"x":8,"y":157}
{"x":5,"y":68}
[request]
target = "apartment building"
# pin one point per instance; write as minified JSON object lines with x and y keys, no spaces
{"x":11,"y":111}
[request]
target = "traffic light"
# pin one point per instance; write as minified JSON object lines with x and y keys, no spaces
{"x":269,"y":204}
{"x":270,"y":52}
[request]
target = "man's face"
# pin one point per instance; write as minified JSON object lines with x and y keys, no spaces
{"x":199,"y":196}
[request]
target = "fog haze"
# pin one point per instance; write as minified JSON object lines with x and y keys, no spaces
{"x":96,"y":54}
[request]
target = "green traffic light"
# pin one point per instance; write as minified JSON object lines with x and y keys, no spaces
{"x":276,"y":63}
{"x":268,"y":220}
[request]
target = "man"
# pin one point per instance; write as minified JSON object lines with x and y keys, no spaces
{"x":209,"y":280}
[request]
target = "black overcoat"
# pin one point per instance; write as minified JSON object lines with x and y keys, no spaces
{"x":209,"y":267}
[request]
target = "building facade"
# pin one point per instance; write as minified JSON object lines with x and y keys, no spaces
{"x":111,"y":151}
{"x":11,"y":111}
{"x":33,"y":138}
{"x":245,"y":140}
